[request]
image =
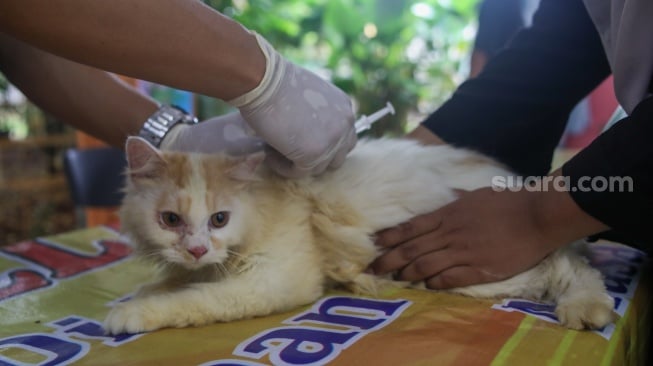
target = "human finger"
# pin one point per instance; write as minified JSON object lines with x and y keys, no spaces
{"x":282,"y":166}
{"x":245,"y":146}
{"x":320,"y":168}
{"x":456,"y":276}
{"x":411,"y":229}
{"x":401,"y":255}
{"x":428,"y":265}
{"x":340,"y":156}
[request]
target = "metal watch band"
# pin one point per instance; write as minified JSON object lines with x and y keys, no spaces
{"x":163,"y":120}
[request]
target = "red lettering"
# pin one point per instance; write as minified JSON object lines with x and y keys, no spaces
{"x":21,"y":281}
{"x":65,"y":263}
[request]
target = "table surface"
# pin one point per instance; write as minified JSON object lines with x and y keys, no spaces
{"x":55,"y":292}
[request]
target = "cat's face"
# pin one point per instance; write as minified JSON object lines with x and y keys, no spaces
{"x":187,"y":209}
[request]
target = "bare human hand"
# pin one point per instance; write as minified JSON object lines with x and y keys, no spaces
{"x":484,"y":236}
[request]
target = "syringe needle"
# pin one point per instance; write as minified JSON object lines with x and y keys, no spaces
{"x":388,"y":109}
{"x":365,"y":122}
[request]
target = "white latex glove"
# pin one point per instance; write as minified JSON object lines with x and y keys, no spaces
{"x":224,"y":133}
{"x":307,"y":121}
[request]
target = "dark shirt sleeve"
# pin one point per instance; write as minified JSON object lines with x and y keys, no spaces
{"x":612,"y":179}
{"x":517,"y":108}
{"x":498,"y":22}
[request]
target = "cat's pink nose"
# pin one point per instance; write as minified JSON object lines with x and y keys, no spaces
{"x":197,"y":251}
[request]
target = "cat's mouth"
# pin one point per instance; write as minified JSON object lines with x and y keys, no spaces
{"x":194,"y":264}
{"x":228,"y":260}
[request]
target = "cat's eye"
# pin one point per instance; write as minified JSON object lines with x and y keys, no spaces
{"x":219,"y":219}
{"x":171,"y":219}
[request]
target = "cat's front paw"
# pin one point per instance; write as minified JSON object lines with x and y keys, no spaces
{"x":132,"y":317}
{"x":593,"y":312}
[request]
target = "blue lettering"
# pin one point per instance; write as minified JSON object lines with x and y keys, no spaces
{"x":628,"y":254}
{"x":56,"y":350}
{"x":90,"y":329}
{"x":617,"y":285}
{"x":617,"y":302}
{"x":361,"y":313}
{"x":297,"y":345}
{"x":303,"y":345}
{"x":232,"y":363}
{"x":542,"y":310}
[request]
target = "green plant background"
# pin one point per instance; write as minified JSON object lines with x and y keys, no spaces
{"x":417,"y":57}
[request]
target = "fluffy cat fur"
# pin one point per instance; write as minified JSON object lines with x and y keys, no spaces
{"x":234,"y":240}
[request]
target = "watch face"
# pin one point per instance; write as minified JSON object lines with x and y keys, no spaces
{"x":159,"y":123}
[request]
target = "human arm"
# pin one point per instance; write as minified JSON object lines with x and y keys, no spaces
{"x":517,"y":108}
{"x":619,"y":164}
{"x":88,"y":99}
{"x":498,"y":22}
{"x":307,"y":121}
{"x":514,"y":111}
{"x":102,"y":105}
{"x":184,"y":44}
{"x":484,"y":236}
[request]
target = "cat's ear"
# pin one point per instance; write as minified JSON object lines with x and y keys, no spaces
{"x":143,"y":159}
{"x":245,"y":168}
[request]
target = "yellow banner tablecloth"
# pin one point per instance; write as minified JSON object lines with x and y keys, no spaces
{"x":56,"y":291}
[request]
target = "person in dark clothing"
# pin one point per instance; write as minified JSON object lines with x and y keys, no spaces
{"x":498,"y":22}
{"x":515,"y":111}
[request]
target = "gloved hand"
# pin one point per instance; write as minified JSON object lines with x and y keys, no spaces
{"x":307,"y":121}
{"x":224,"y":133}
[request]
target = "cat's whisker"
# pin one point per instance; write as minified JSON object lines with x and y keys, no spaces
{"x":224,"y":271}
{"x":154,"y":257}
{"x":236,"y":254}
{"x":150,"y":258}
{"x":237,"y":262}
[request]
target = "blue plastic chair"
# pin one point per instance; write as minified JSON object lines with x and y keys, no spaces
{"x":95,"y":177}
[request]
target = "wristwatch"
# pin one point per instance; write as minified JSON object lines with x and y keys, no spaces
{"x":162,"y":121}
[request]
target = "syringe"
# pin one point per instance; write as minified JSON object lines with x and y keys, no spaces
{"x":365,"y":122}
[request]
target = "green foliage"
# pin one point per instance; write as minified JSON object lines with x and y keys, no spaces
{"x":3,"y":83}
{"x":410,"y":53}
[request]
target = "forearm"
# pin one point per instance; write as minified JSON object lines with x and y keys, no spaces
{"x":554,"y":209}
{"x":618,"y":170}
{"x":89,"y":99}
{"x":517,"y":108}
{"x":179,"y":43}
{"x":560,"y":218}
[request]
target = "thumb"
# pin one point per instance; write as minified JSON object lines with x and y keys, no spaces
{"x":282,"y":165}
{"x":244,"y":146}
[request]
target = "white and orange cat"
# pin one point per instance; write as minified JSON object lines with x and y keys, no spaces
{"x":234,"y":241}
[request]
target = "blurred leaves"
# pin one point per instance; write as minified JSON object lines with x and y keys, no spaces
{"x":3,"y":83}
{"x":411,"y":53}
